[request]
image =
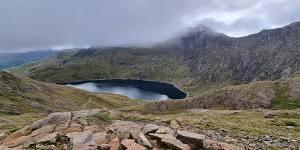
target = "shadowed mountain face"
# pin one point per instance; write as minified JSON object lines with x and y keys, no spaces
{"x":193,"y":61}
{"x":267,"y":55}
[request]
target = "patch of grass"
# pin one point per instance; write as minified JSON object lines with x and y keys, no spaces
{"x":101,"y":117}
{"x":12,"y":123}
{"x":282,"y":99}
{"x":289,"y":123}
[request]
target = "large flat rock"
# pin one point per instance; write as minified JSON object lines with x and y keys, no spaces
{"x":191,"y":138}
{"x":130,"y":144}
{"x":170,"y":141}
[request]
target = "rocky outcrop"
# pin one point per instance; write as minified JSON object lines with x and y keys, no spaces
{"x":80,"y":131}
{"x":50,"y":128}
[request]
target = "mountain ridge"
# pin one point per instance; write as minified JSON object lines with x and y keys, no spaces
{"x":197,"y":61}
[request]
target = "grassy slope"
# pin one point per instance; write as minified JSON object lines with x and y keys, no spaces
{"x":235,"y":123}
{"x":24,"y":95}
{"x":263,"y":94}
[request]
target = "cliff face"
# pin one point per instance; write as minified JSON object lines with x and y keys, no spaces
{"x":267,"y":55}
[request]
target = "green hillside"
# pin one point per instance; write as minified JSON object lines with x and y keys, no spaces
{"x":20,"y":95}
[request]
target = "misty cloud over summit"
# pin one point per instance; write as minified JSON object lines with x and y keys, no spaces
{"x":42,"y":24}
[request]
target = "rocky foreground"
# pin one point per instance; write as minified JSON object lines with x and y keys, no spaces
{"x":91,"y":130}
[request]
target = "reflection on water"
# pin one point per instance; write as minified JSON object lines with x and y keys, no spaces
{"x":128,"y":91}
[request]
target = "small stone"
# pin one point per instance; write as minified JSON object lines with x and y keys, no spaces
{"x":2,"y":135}
{"x":174,"y":124}
{"x":269,"y":115}
{"x":83,"y":122}
{"x":104,"y":146}
{"x":46,"y":147}
{"x":165,"y":130}
{"x":130,"y":144}
{"x":267,"y":138}
{"x":289,"y":127}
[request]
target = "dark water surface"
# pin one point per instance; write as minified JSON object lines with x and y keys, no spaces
{"x":136,"y":89}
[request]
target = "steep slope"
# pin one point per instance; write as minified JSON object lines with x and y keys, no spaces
{"x":261,"y":94}
{"x":267,"y":55}
{"x":22,"y":95}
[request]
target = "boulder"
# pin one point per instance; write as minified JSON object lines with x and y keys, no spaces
{"x":42,"y":131}
{"x":175,"y":144}
{"x":3,"y":147}
{"x":80,"y":137}
{"x":130,"y":144}
{"x":100,"y":138}
{"x":125,"y":129}
{"x":22,"y":132}
{"x":150,"y":128}
{"x":50,"y":137}
{"x":74,"y":127}
{"x":114,"y":144}
{"x":85,"y":113}
{"x":18,"y":142}
{"x":52,"y":119}
{"x":191,"y":138}
{"x":170,"y":141}
{"x":144,"y":141}
{"x":62,"y":119}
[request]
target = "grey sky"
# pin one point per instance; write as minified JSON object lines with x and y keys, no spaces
{"x":40,"y":24}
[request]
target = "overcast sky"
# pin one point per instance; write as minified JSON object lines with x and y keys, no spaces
{"x":42,"y":24}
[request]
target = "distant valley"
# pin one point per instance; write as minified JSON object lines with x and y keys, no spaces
{"x":8,"y":60}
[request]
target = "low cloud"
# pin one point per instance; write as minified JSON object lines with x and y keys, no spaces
{"x":36,"y":24}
